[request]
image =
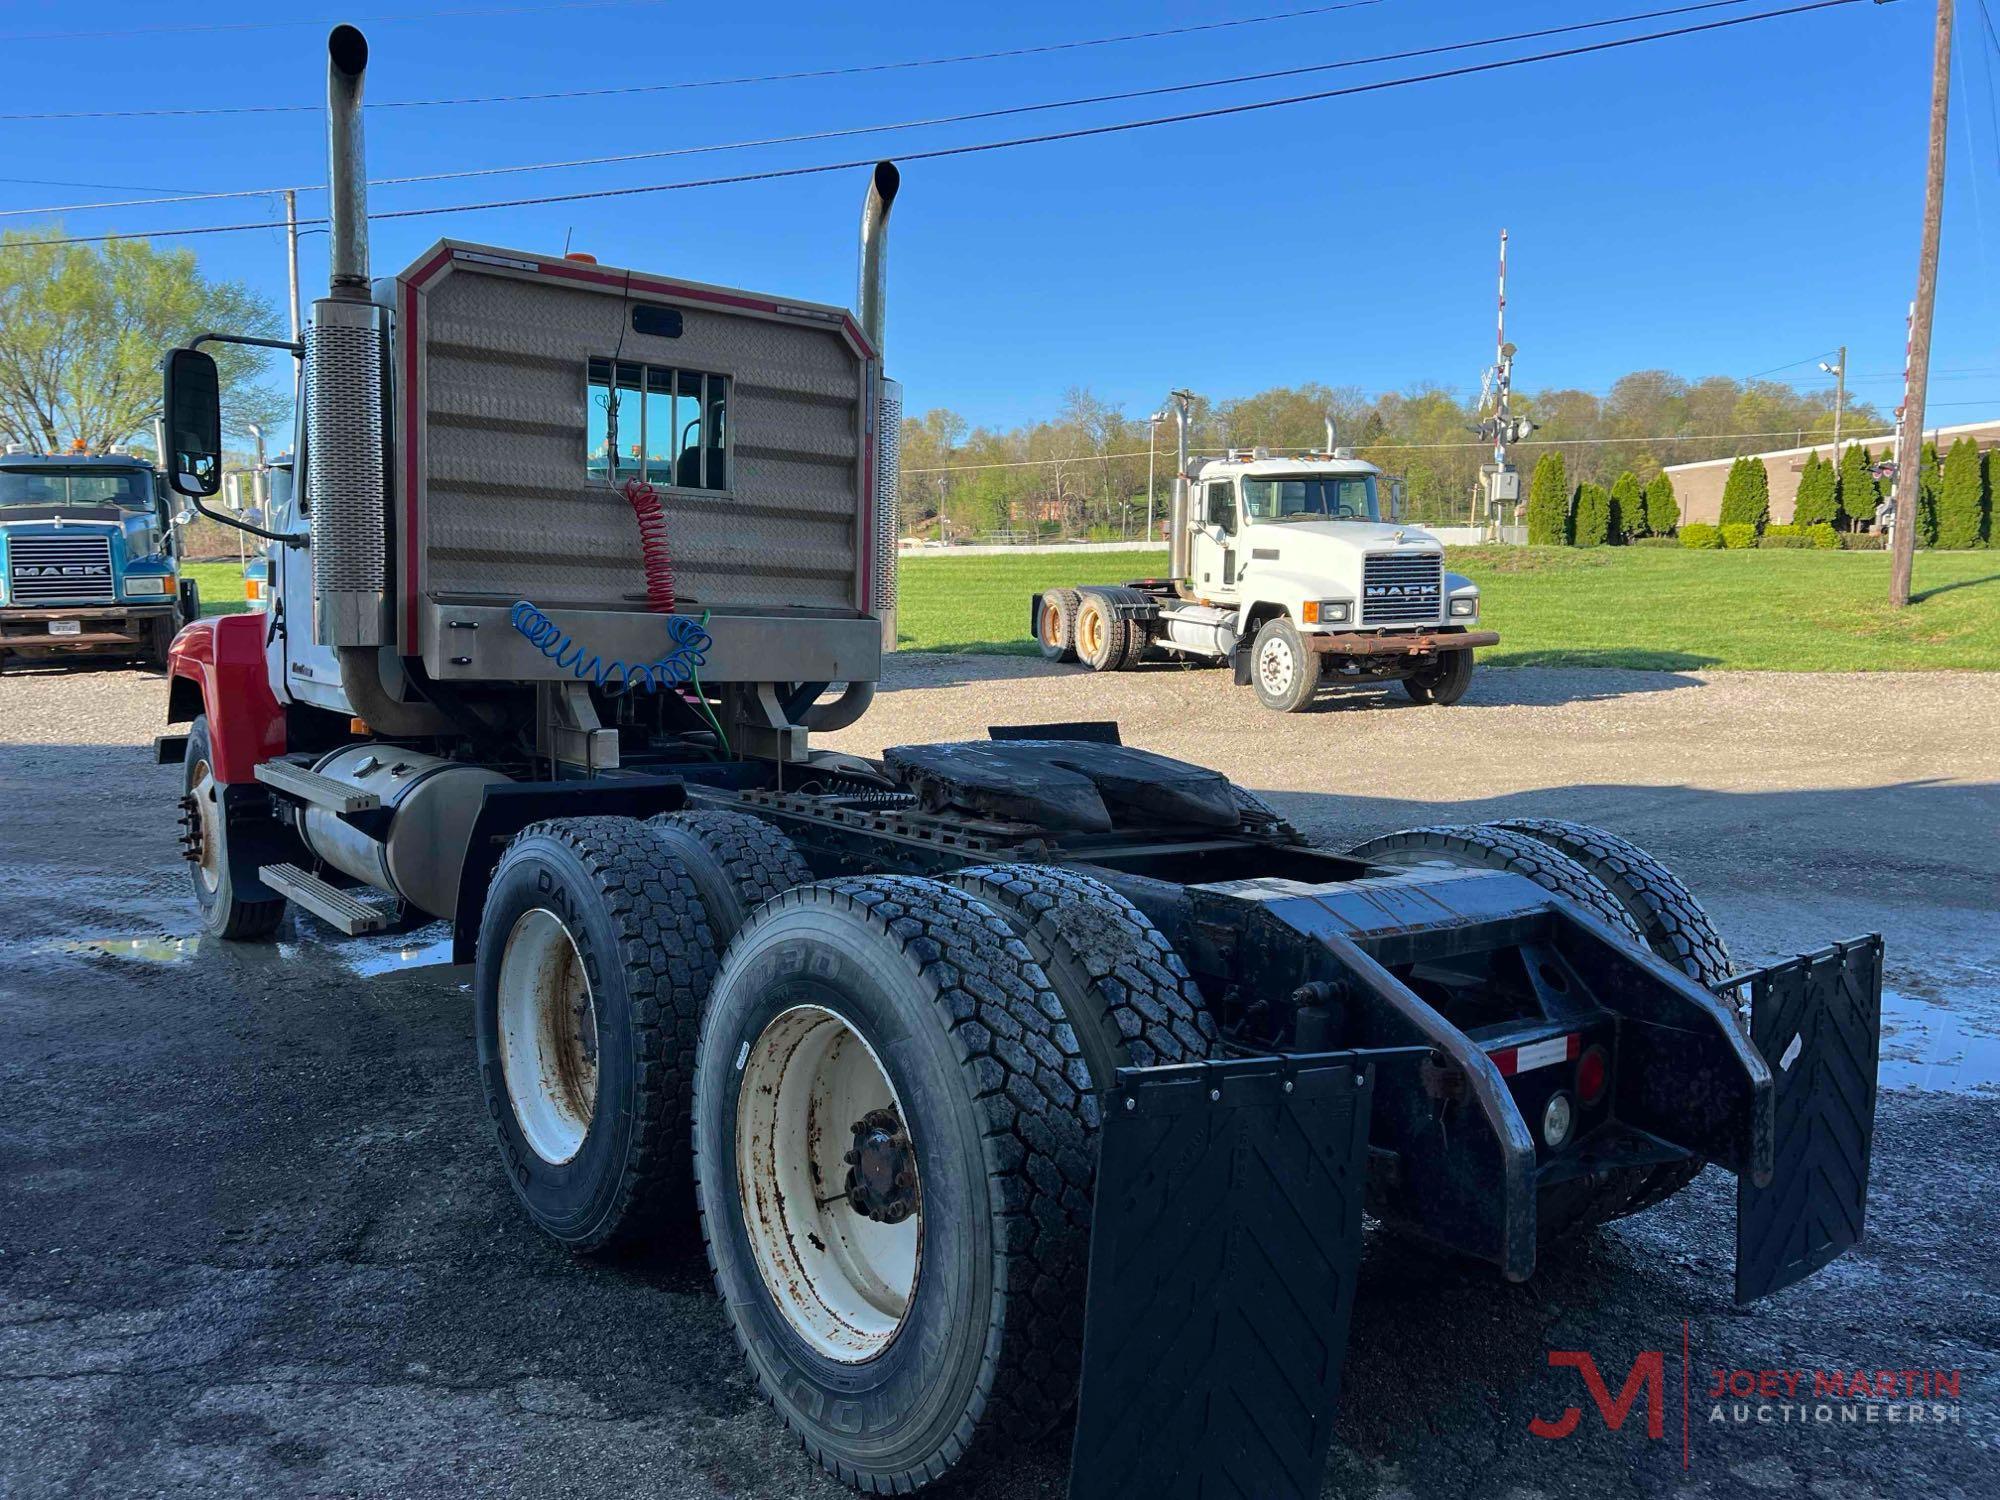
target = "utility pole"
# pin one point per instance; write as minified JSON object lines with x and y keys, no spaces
{"x":1910,"y":429}
{"x":1839,"y":373}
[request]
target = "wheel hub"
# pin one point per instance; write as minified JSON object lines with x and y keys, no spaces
{"x":1274,"y":666}
{"x":882,"y":1169}
{"x":193,"y":831}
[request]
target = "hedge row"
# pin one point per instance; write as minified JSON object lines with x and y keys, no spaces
{"x":1955,"y":504}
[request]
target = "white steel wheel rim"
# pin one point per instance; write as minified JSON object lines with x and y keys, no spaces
{"x":208,"y":868}
{"x":843,"y":1282}
{"x":1275,"y":666}
{"x":548,"y":1036}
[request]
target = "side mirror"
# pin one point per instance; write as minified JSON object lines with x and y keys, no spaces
{"x":1398,"y":499}
{"x":193,"y":406}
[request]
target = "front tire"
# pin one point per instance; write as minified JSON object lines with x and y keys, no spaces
{"x":595,"y":957}
{"x":1284,"y":674}
{"x":205,"y":839}
{"x":1442,"y":683}
{"x":891,"y":1038}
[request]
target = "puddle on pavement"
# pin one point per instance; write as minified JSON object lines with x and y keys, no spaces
{"x":368,"y":958}
{"x":1927,"y":1047}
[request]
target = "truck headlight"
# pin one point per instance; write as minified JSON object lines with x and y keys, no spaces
{"x":1336,"y":611}
{"x":150,"y":584}
{"x":1466,"y":608}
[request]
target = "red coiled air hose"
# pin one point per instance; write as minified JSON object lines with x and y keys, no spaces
{"x":657,"y":560}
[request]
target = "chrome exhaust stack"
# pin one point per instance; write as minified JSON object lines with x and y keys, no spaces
{"x":1177,"y":514}
{"x":1330,"y":435}
{"x":886,"y":423}
{"x":873,"y":296}
{"x":346,"y":454}
{"x":346,"y":350}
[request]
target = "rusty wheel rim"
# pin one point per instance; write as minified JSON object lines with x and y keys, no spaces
{"x":839,"y":1260}
{"x":1090,"y":635}
{"x":548,"y":1036}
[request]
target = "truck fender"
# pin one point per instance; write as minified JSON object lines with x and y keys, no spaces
{"x":216,"y":667}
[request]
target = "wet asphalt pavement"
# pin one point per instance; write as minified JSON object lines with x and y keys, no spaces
{"x":253,"y":1238}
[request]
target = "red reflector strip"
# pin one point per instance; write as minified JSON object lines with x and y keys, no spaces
{"x":1513,"y":1060}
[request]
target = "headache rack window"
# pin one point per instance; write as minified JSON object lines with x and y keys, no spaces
{"x":666,"y":426}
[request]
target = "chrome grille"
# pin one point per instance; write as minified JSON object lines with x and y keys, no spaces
{"x":1402,"y":588}
{"x":60,"y":570}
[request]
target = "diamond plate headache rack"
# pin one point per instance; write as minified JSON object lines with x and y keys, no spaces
{"x":1817,"y":1021}
{"x":1222,"y":1259}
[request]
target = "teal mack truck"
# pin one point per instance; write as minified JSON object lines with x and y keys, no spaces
{"x":89,"y":561}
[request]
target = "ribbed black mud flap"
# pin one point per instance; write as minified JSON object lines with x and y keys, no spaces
{"x":1817,"y":1020}
{"x":1222,"y":1260}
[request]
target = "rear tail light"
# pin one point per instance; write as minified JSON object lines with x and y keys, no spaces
{"x":1593,"y":1074}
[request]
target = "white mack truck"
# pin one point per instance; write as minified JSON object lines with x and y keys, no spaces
{"x":1016,"y":1083}
{"x":1298,"y":571}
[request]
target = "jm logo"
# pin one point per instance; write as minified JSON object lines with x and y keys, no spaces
{"x":1648,"y":1374}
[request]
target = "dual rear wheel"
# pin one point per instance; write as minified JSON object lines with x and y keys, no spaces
{"x":879,"y":1094}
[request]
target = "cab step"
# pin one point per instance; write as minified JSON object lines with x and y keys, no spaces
{"x":313,"y":789}
{"x":340,"y":909}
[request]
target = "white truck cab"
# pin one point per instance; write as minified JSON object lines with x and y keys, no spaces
{"x":1295,"y":569}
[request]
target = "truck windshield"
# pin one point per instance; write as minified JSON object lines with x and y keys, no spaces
{"x":1345,"y":497}
{"x":127,"y":489}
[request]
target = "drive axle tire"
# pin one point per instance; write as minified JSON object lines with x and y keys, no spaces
{"x":1103,"y":634}
{"x":1056,"y":630}
{"x":1671,"y":920}
{"x":894,"y":1151}
{"x":1487,"y":847}
{"x":1129,"y":996}
{"x":595,"y":957}
{"x":1443,"y":683}
{"x":205,"y":835}
{"x":1283,"y":673}
{"x":737,"y":860}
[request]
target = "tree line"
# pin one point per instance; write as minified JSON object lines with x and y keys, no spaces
{"x":1083,"y":470}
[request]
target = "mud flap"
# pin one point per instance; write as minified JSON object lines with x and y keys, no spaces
{"x":1222,"y":1263}
{"x":1817,"y":1021}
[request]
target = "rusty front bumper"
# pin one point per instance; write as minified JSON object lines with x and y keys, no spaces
{"x":1427,"y":643}
{"x":100,"y":626}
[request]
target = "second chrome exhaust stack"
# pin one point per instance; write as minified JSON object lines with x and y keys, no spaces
{"x":887,"y":423}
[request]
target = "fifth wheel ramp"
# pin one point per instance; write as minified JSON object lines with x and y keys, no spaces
{"x":1222,"y":1263}
{"x":1818,"y":1022}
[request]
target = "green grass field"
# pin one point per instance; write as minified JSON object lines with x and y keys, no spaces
{"x":1657,"y":607}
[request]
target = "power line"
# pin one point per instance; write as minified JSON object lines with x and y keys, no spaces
{"x":939,"y":153}
{"x":706,"y":83}
{"x":215,"y":26}
{"x":849,"y":132}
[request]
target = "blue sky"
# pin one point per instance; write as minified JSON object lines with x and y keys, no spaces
{"x":1720,"y":204}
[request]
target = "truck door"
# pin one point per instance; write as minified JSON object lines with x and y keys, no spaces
{"x":1212,"y":550}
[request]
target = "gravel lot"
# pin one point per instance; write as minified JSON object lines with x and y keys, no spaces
{"x":253,"y":1239}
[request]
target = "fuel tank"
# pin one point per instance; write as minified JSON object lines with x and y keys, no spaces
{"x":429,"y":805}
